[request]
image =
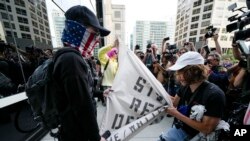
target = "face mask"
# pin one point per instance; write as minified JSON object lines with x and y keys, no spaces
{"x":77,"y":36}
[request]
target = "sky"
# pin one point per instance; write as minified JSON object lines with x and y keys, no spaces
{"x":153,"y":10}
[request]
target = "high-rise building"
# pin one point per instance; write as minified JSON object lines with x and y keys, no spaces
{"x":149,"y":31}
{"x":58,"y":22}
{"x":114,"y":20}
{"x":25,"y":22}
{"x":194,"y":16}
{"x":171,"y":30}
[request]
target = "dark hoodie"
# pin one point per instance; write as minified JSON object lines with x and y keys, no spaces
{"x":75,"y":84}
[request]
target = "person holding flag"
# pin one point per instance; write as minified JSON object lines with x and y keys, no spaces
{"x":74,"y":78}
{"x":195,"y":90}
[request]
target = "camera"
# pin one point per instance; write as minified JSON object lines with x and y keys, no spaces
{"x":186,"y":43}
{"x":137,"y":47}
{"x":166,"y":39}
{"x":149,"y":50}
{"x":206,"y":48}
{"x":241,"y":35}
{"x":244,"y":46}
{"x":241,"y":21}
{"x":210,"y":31}
{"x":171,"y":47}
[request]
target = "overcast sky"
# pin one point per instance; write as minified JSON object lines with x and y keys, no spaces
{"x":156,"y":10}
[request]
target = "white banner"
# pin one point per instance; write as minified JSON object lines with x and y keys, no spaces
{"x":138,"y":98}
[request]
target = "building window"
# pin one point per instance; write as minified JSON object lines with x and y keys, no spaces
{"x":208,"y":1}
{"x":22,"y":20}
{"x":117,"y":26}
{"x":43,"y":40}
{"x":40,"y":21}
{"x":192,"y":39}
{"x":2,"y":7}
{"x":9,"y":34}
{"x":194,"y":25}
{"x":196,"y":11}
{"x":185,"y":28}
{"x":41,"y":27}
{"x":201,"y":38}
{"x":223,"y":38}
{"x":21,"y":11}
{"x":32,"y":8}
{"x":37,"y":38}
{"x":47,"y":30}
{"x":33,"y":16}
{"x":117,"y":14}
{"x":206,"y":16}
{"x":36,"y":31}
{"x":223,"y":30}
{"x":196,"y":18}
{"x":203,"y":31}
{"x":184,"y":35}
{"x":39,"y":13}
{"x":192,"y":33}
{"x":45,"y":17}
{"x":208,"y":8}
{"x":42,"y":33}
{"x":7,"y":25}
{"x":5,"y":16}
{"x":197,"y":3}
{"x":205,"y":23}
{"x":26,"y":36}
{"x":24,"y":28}
{"x":49,"y":42}
{"x":48,"y":36}
{"x":20,"y":3}
{"x":46,"y":23}
{"x":180,"y":37}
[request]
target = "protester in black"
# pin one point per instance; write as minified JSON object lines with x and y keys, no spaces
{"x":77,"y":106}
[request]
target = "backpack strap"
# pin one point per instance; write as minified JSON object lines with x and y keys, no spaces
{"x":106,"y":66}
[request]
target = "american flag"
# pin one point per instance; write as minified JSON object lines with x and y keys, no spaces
{"x":76,"y":35}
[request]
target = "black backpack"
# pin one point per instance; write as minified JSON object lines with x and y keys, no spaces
{"x":42,"y":96}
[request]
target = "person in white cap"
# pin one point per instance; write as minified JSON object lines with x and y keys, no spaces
{"x":194,"y":90}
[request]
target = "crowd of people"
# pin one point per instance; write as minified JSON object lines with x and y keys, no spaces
{"x":191,"y":77}
{"x":15,"y":69}
{"x":198,"y":77}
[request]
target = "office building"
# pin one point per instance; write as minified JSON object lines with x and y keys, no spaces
{"x":149,"y":31}
{"x":25,"y":22}
{"x":194,"y":16}
{"x":114,"y":20}
{"x":58,"y":24}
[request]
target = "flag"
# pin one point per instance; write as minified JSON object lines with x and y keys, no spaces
{"x":138,"y":99}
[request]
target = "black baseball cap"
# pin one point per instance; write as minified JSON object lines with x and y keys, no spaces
{"x":84,"y":16}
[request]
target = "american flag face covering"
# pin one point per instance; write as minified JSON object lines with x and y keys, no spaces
{"x":75,"y":35}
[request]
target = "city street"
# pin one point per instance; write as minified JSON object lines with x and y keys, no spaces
{"x":150,"y":133}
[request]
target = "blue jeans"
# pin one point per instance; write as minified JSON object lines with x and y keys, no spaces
{"x":174,"y":134}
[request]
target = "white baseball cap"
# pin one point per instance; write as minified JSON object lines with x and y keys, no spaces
{"x":188,"y":58}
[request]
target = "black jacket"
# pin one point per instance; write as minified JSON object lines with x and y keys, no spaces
{"x":77,"y":108}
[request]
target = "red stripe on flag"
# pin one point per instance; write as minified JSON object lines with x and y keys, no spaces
{"x":90,"y":39}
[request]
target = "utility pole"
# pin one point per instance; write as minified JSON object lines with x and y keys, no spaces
{"x":99,"y":14}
